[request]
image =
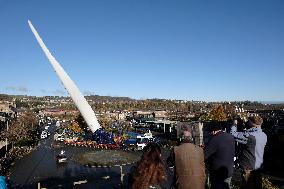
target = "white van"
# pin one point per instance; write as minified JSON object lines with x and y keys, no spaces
{"x":143,"y":140}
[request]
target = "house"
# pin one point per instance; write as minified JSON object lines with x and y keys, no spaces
{"x":143,"y":114}
{"x":160,"y":115}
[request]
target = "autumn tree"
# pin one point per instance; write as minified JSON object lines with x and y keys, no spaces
{"x":105,"y":122}
{"x":230,"y":110}
{"x":80,"y":122}
{"x":76,"y":128}
{"x":23,"y":128}
{"x":218,"y":114}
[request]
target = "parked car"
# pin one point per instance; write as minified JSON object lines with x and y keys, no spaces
{"x":143,"y":140}
{"x":129,"y":144}
{"x":43,"y":135}
{"x":59,"y":137}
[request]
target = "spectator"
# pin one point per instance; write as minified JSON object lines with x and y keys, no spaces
{"x":150,"y":171}
{"x":3,"y":184}
{"x":219,"y":157}
{"x":251,"y":145}
{"x":189,"y":164}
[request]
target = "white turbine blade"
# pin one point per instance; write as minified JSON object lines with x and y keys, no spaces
{"x":79,"y":100}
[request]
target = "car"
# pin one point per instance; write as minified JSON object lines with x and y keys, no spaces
{"x":141,"y":143}
{"x":143,"y":140}
{"x":57,"y":124}
{"x":61,"y":158}
{"x":59,"y":137}
{"x":43,"y":135}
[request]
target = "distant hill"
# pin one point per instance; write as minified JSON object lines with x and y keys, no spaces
{"x":272,"y":102}
{"x":5,"y":97}
{"x":99,"y":99}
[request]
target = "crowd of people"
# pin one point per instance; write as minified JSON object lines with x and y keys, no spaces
{"x":227,"y":153}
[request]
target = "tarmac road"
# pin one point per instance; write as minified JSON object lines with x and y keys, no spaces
{"x":40,"y":167}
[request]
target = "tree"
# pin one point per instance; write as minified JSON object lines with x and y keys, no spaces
{"x":230,"y":110}
{"x":105,"y":122}
{"x":205,"y":117}
{"x":20,"y":104}
{"x":81,"y":122}
{"x":76,"y":128}
{"x":23,"y":128}
{"x":217,"y":113}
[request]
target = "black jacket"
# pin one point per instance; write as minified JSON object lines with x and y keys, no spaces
{"x":219,"y":155}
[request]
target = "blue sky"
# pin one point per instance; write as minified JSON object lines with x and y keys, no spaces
{"x":193,"y":50}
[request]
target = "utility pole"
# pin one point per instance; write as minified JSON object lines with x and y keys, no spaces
{"x":7,"y":128}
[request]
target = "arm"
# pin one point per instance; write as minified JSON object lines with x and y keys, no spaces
{"x":241,"y":137}
{"x":210,"y":149}
{"x":171,"y":159}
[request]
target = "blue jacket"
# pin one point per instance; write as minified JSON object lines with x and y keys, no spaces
{"x":251,"y":143}
{"x":3,"y":184}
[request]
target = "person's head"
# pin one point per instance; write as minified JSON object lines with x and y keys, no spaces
{"x":215,"y":127}
{"x":150,"y":169}
{"x":254,"y":121}
{"x":151,"y":148}
{"x":186,"y":136}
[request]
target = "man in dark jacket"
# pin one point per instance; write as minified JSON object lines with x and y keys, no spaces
{"x":219,"y":156}
{"x":188,"y":160}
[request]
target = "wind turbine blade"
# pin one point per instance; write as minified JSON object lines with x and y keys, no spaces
{"x":79,"y":100}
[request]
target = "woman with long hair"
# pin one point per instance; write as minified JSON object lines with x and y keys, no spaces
{"x":150,"y":171}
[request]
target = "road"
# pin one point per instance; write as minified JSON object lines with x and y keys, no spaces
{"x":40,"y":167}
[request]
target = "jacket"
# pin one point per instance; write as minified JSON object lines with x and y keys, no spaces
{"x":189,"y":166}
{"x":251,"y":147}
{"x":219,"y":155}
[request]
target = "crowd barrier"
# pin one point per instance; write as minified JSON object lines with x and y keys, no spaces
{"x":92,"y":144}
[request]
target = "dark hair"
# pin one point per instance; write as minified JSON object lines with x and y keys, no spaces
{"x":214,"y":126}
{"x":150,"y":169}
